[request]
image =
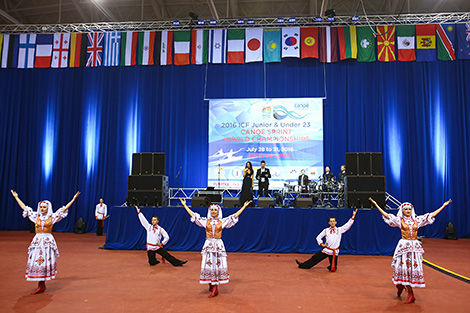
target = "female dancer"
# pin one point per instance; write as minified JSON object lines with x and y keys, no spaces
{"x":214,"y":269}
{"x":42,"y":251}
{"x":247,"y":186}
{"x":407,"y":262}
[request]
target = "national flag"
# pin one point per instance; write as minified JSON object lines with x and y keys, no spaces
{"x":10,"y":51}
{"x":253,"y":45}
{"x":309,"y":42}
{"x":463,"y":40}
{"x":77,"y":50}
{"x":112,"y":47}
{"x":94,"y":49}
{"x":386,"y":43}
{"x":129,"y":48}
{"x":290,"y":42}
{"x":406,"y":43}
{"x":146,"y":48}
{"x":217,"y":46}
{"x":26,"y":51}
{"x":445,"y":41}
{"x":236,"y":46}
{"x":347,"y":39}
{"x":426,"y":42}
{"x":365,"y":44}
{"x":1,"y":45}
{"x":60,"y":50}
{"x":328,"y":44}
{"x":199,"y":42}
{"x":182,"y":40}
{"x":272,"y":45}
{"x":43,"y":51}
{"x":166,"y":48}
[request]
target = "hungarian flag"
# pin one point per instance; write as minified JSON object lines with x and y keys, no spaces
{"x":26,"y":51}
{"x":112,"y":47}
{"x":406,"y":43}
{"x":60,"y":51}
{"x":43,"y":51}
{"x":10,"y":51}
{"x":146,"y":48}
{"x":445,"y":41}
{"x":463,"y":40}
{"x":386,"y":43}
{"x":199,"y":42}
{"x":426,"y":42}
{"x":77,"y":50}
{"x":309,"y":42}
{"x":94,"y":49}
{"x":217,"y":46}
{"x":347,"y":39}
{"x":291,"y":42}
{"x":129,"y":48}
{"x":272,"y":45}
{"x":253,"y":45}
{"x":328,"y":44}
{"x":182,"y":40}
{"x":166,"y":48}
{"x":236,"y":46}
{"x":366,"y":44}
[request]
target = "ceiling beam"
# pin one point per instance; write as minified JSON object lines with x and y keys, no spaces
{"x":9,"y":17}
{"x":312,"y":8}
{"x":104,"y":10}
{"x":213,"y":9}
{"x":79,"y":10}
{"x":324,"y":5}
{"x":234,"y":8}
{"x":156,"y":9}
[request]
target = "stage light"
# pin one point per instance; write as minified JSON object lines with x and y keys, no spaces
{"x":331,"y":19}
{"x":280,"y":20}
{"x":318,"y":19}
{"x":241,"y":22}
{"x":292,"y":20}
{"x":176,"y":23}
{"x":201,"y":22}
{"x":213,"y":22}
{"x":330,"y":13}
{"x":193,"y":16}
{"x":355,"y":18}
{"x":250,"y":22}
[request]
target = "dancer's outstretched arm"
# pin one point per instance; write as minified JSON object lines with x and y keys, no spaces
{"x":15,"y":195}
{"x":379,"y":208}
{"x":442,"y":207}
{"x":138,"y":210}
{"x":247,"y":203}
{"x":183,"y":202}
{"x":354,"y":213}
{"x":71,"y":201}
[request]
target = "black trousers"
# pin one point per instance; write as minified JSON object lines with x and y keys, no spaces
{"x":99,"y":227}
{"x":162,"y":251}
{"x":317,"y":258}
{"x":263,"y":188}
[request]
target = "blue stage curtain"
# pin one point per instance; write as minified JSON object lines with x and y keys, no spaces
{"x":75,"y":129}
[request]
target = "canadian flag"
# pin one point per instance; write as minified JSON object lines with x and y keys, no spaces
{"x":254,"y":45}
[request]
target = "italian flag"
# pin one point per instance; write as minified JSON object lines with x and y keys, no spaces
{"x":406,"y":42}
{"x":199,"y":43}
{"x":146,"y":48}
{"x":236,"y":46}
{"x":182,"y":40}
{"x":166,"y":47}
{"x":128,"y":48}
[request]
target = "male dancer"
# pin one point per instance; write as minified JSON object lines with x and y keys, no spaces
{"x":101,"y":211}
{"x":154,"y":235}
{"x":331,"y":246}
{"x":263,"y":175}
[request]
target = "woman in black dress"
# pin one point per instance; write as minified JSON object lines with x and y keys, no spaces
{"x":247,"y":187}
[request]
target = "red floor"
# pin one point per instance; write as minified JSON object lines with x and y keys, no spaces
{"x":94,"y":280}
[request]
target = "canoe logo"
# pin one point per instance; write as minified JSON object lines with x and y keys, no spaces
{"x":365,"y":43}
{"x":266,"y":112}
{"x":281,"y":113}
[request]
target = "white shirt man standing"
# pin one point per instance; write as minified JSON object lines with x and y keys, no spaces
{"x":101,"y":211}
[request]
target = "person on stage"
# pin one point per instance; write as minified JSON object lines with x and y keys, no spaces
{"x":101,"y":211}
{"x":263,"y":175}
{"x":328,"y":177}
{"x":330,"y":249}
{"x":303,"y":182}
{"x":214,"y":269}
{"x":43,"y":250}
{"x":341,"y":182}
{"x":247,"y":187}
{"x":342,"y":175}
{"x":155,"y":244}
{"x":407,"y":262}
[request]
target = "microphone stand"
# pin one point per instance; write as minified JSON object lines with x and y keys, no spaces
{"x":178,"y":177}
{"x":218,"y":177}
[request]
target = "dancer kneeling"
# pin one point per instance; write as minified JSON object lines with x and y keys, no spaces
{"x":43,"y":251}
{"x":407,"y":262}
{"x":154,"y":235}
{"x":214,"y":269}
{"x":330,"y":249}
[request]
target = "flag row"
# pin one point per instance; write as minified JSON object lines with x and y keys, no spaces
{"x":425,"y":42}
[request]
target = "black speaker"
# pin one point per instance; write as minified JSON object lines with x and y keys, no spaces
{"x":147,"y":182}
{"x":231,"y":202}
{"x":159,"y":163}
{"x":265,"y":202}
{"x":147,"y":197}
{"x":365,"y":183}
{"x":200,"y":201}
{"x":377,"y":163}
{"x":303,"y":203}
{"x":148,"y":163}
{"x":214,"y":195}
{"x":364,"y":163}
{"x":351,"y":164}
{"x":360,"y":199}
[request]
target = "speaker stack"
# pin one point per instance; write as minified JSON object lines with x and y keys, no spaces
{"x":148,"y":185}
{"x":364,"y":179}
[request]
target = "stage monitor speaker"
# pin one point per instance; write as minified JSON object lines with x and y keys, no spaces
{"x":364,"y":183}
{"x":364,"y":163}
{"x":231,"y":202}
{"x":360,"y":199}
{"x":200,"y":201}
{"x":214,"y":195}
{"x":303,"y":203}
{"x":148,"y":163}
{"x":147,"y":197}
{"x":265,"y":202}
{"x":147,"y":182}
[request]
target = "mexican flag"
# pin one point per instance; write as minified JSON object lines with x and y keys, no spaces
{"x":236,"y":46}
{"x":366,"y":44}
{"x":199,"y":42}
{"x":182,"y":39}
{"x":347,"y":42}
{"x":406,"y":43}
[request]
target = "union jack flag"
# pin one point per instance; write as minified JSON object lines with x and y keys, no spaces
{"x":467,"y":31}
{"x":94,"y":49}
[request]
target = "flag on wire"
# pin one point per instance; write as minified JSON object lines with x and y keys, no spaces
{"x":199,"y":42}
{"x":253,"y":45}
{"x":272,"y":45}
{"x":347,"y":39}
{"x":217,"y":46}
{"x":366,"y":44}
{"x":182,"y":42}
{"x":291,"y":42}
{"x":129,"y":48}
{"x":236,"y":46}
{"x":445,"y":42}
{"x":10,"y":51}
{"x":60,"y":51}
{"x":43,"y":51}
{"x":146,"y":48}
{"x":386,"y":43}
{"x":166,"y":46}
{"x":26,"y":51}
{"x":94,"y":49}
{"x":112,"y":47}
{"x":406,"y":43}
{"x":309,"y":42}
{"x":463,"y":40}
{"x":328,"y":44}
{"x":77,"y":50}
{"x":426,"y":42}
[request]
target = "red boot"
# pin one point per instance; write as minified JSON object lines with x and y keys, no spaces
{"x":215,"y":291}
{"x":411,"y":297}
{"x":211,"y":287}
{"x":41,"y":288}
{"x":399,"y":289}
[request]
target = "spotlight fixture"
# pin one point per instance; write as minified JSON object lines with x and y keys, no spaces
{"x":355,"y":18}
{"x":250,"y":22}
{"x":331,"y":18}
{"x":292,"y":20}
{"x":241,"y":22}
{"x":176,"y":23}
{"x":318,"y":19}
{"x":213,"y":22}
{"x":193,"y":16}
{"x":330,"y":13}
{"x":280,"y":20}
{"x":200,"y":22}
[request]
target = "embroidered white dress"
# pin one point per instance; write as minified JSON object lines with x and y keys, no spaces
{"x":407,"y":262}
{"x":214,"y":268}
{"x":43,"y":250}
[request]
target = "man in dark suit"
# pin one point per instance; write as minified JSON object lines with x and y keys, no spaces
{"x":263,"y":175}
{"x":303,"y":181}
